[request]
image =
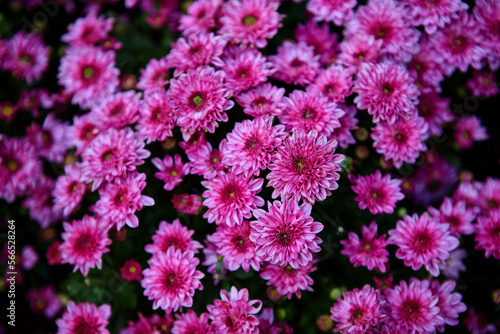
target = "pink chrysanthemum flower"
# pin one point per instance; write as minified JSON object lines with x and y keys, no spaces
{"x":433,"y":14}
{"x":468,"y":129}
{"x":201,"y":15}
{"x":306,"y":167}
{"x":117,"y":110}
{"x":287,"y":280}
{"x":359,"y":50}
{"x":295,"y":63}
{"x":453,"y":265}
{"x":84,"y":243}
{"x":131,"y":271}
{"x":84,"y":129}
{"x":358,"y":310}
{"x":190,"y":204}
{"x":487,"y":13}
{"x":156,"y":120}
{"x":153,"y":324}
{"x":250,"y":22}
{"x":19,"y":167}
{"x":44,"y":300}
{"x":376,"y":193}
{"x":247,"y":70}
{"x":311,"y":110}
{"x":336,"y":11}
{"x":488,"y":195}
{"x":171,"y":171}
{"x":320,"y":37}
{"x":112,"y":154}
{"x":386,"y":20}
{"x":41,"y":203}
{"x":286,"y":234}
{"x":88,"y":30}
{"x":426,"y":69}
{"x":412,"y":308}
{"x":171,"y":279}
{"x":207,"y":161}
{"x":335,"y":83}
{"x":477,"y":323}
{"x":461,"y":43}
{"x":155,"y":75}
{"x":173,"y":235}
{"x":89,"y":74}
{"x":26,"y":57}
{"x":200,"y":100}
{"x":263,"y":100}
{"x":236,"y":248}
{"x":456,"y":214}
{"x":369,"y":251}
{"x":29,"y":257}
{"x":488,"y":234}
{"x":84,"y":318}
{"x":422,"y":241}
{"x":348,"y":122}
{"x":121,"y":199}
{"x":250,"y":145}
{"x":449,"y":302}
{"x":49,"y":140}
{"x":483,"y":83}
{"x":189,"y":323}
{"x":233,"y":313}
{"x":387,"y":91}
{"x":198,"y":50}
{"x":402,"y":141}
{"x":231,"y":197}
{"x":435,"y":110}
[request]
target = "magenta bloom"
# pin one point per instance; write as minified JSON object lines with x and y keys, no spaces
{"x":131,"y":271}
{"x":171,"y":170}
{"x":286,"y":234}
{"x":26,"y":56}
{"x":468,"y":129}
{"x":207,"y":161}
{"x":488,"y":234}
{"x":433,"y":14}
{"x":488,"y":195}
{"x":189,"y":323}
{"x":88,"y":30}
{"x":250,"y":145}
{"x":171,"y":279}
{"x":263,"y":100}
{"x":117,"y":110}
{"x":41,"y":203}
{"x":412,"y":308}
{"x":306,"y":111}
{"x":84,"y":318}
{"x":287,"y":280}
{"x":295,"y":63}
{"x":44,"y":300}
{"x":233,"y":313}
{"x":422,"y":241}
{"x":386,"y":91}
{"x":306,"y":167}
{"x":231,"y":197}
{"x":358,"y":311}
{"x":359,"y":50}
{"x":235,"y":247}
{"x":449,"y":302}
{"x":121,"y":199}
{"x":84,"y":243}
{"x":49,"y":140}
{"x":110,"y":155}
{"x":456,"y":214}
{"x":348,"y":122}
{"x":82,"y":132}
{"x":29,"y":257}
{"x":190,"y":204}
{"x":453,"y":266}
{"x":200,"y":100}
{"x":336,"y":11}
{"x":155,"y":75}
{"x":172,"y":235}
{"x":198,"y":50}
{"x":401,"y":141}
{"x":486,"y":12}
{"x":154,"y":323}
{"x":200,"y":17}
{"x":335,"y":83}
{"x":483,"y":83}
{"x":369,"y":251}
{"x":88,"y":74}
{"x":250,"y":22}
{"x":376,"y":193}
{"x":435,"y":110}
{"x":156,"y":120}
{"x":320,"y":37}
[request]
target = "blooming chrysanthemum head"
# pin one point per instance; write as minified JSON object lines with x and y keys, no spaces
{"x":84,"y":243}
{"x":288,"y":280}
{"x":433,"y":14}
{"x":320,"y":37}
{"x":190,"y":204}
{"x":173,"y":235}
{"x":44,"y":300}
{"x":171,"y":279}
{"x":335,"y":83}
{"x":131,"y":271}
{"x":468,"y":129}
{"x":483,"y":83}
{"x":306,"y":167}
{"x":155,"y":75}
{"x":456,"y":214}
{"x":449,"y":302}
{"x":200,"y":17}
{"x":263,"y":100}
{"x":336,"y":11}
{"x":488,"y":234}
{"x":157,"y":119}
{"x":84,"y":318}
{"x":172,"y":170}
{"x":117,"y":110}
{"x":422,"y":241}
{"x":286,"y":234}
{"x":189,"y":323}
{"x":88,"y":30}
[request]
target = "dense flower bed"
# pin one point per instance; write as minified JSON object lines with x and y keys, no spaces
{"x":250,"y":166}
